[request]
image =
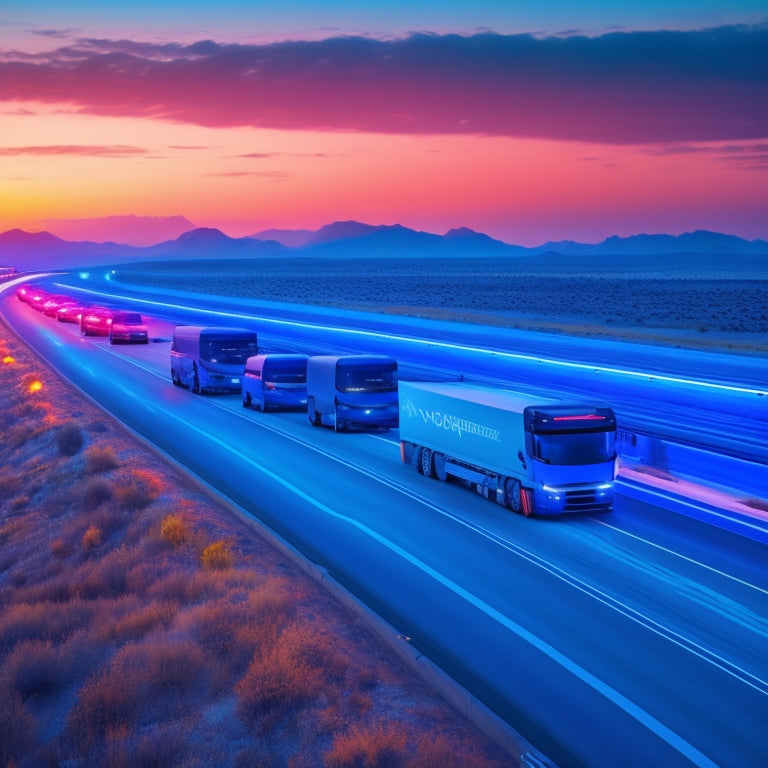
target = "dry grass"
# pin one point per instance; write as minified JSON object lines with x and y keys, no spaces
{"x":142,"y":625}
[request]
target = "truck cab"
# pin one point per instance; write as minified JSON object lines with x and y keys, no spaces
{"x":352,"y":391}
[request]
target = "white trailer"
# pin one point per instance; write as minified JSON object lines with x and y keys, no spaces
{"x":531,"y":454}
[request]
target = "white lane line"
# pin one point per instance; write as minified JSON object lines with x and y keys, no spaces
{"x":681,"y":556}
{"x":646,"y":376}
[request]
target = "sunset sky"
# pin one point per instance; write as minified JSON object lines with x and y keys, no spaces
{"x":527,"y":121}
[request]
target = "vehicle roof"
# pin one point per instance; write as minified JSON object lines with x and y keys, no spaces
{"x":204,"y":330}
{"x":277,"y":357}
{"x":355,"y":359}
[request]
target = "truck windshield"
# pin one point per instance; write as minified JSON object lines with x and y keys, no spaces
{"x":286,"y":373}
{"x":574,"y":448}
{"x":228,"y":351}
{"x":367,"y":378}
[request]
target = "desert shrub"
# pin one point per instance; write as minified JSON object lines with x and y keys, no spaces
{"x":9,"y":486}
{"x":69,"y":439}
{"x":217,"y":556}
{"x":97,"y":490}
{"x":138,"y":490}
{"x":91,"y":538}
{"x":105,"y":702}
{"x":17,"y":435}
{"x":174,"y":530}
{"x":281,"y":678}
{"x":47,"y":620}
{"x":31,"y":667}
{"x":18,"y":728}
{"x":377,"y":746}
{"x":20,"y":502}
{"x":756,"y":503}
{"x":98,"y":459}
{"x":108,"y":576}
{"x":60,"y":548}
{"x":139,"y":622}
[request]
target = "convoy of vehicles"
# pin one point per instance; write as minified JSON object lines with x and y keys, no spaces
{"x":275,"y":381}
{"x":211,"y":359}
{"x":352,"y":391}
{"x":532,"y":455}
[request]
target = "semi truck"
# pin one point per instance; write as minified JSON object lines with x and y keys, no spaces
{"x":210,"y":359}
{"x":352,"y":391}
{"x":533,"y":455}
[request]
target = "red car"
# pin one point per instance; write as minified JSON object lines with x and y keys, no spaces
{"x":96,"y":321}
{"x":70,"y":313}
{"x":53,"y":303}
{"x":128,"y":327}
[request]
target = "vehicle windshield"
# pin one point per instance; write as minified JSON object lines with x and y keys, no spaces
{"x":367,"y":378}
{"x":286,"y":373}
{"x":228,"y":351}
{"x":574,"y":448}
{"x":128,"y":318}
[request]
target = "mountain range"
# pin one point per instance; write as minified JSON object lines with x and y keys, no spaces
{"x":354,"y":240}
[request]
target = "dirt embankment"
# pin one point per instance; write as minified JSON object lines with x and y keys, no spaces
{"x":142,"y":624}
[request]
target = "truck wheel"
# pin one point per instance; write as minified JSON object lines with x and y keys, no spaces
{"x":512,"y":494}
{"x":195,"y":380}
{"x":247,"y":400}
{"x":438,"y":463}
{"x":175,"y":379}
{"x":313,"y":415}
{"x":425,"y":462}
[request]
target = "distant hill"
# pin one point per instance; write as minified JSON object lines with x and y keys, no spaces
{"x":355,"y":240}
{"x":128,"y":230}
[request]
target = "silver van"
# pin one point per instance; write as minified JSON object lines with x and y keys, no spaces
{"x":210,"y":359}
{"x":275,"y":381}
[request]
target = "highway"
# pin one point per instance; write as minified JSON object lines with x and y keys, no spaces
{"x":636,"y":638}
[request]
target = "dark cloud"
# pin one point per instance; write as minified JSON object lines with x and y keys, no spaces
{"x":637,"y":87}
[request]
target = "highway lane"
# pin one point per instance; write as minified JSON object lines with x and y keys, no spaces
{"x":714,"y":401}
{"x":631,"y":639}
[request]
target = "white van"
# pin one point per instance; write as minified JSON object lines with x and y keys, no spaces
{"x":275,"y":381}
{"x":206,"y":359}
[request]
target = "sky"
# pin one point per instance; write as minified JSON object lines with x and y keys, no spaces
{"x":528,"y":122}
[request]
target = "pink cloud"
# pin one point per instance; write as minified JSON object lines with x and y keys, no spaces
{"x":620,"y":88}
{"x":74,"y":149}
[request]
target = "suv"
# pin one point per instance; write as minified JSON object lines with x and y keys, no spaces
{"x":128,"y":327}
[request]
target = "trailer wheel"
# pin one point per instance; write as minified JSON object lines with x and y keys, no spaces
{"x":438,"y":464}
{"x":513,"y":494}
{"x":425,"y":462}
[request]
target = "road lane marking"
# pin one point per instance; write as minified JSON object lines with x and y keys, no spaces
{"x":646,"y":376}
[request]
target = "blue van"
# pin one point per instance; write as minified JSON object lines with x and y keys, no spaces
{"x":352,"y":391}
{"x":275,"y":381}
{"x":209,"y":359}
